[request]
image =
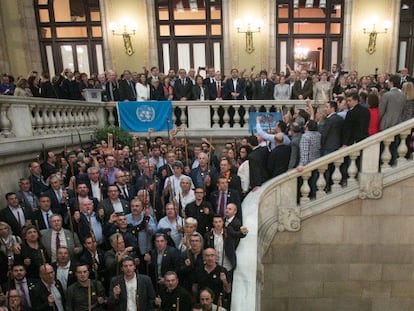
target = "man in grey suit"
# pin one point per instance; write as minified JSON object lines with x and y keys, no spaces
{"x":56,"y":237}
{"x":131,"y":291}
{"x":391,"y":104}
{"x":390,"y":111}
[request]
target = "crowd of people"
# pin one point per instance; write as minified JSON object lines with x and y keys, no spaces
{"x":156,"y":224}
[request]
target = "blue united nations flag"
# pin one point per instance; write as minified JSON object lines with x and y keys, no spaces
{"x":140,"y":116}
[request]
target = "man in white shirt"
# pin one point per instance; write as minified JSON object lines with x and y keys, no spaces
{"x":65,"y":271}
{"x":131,"y":291}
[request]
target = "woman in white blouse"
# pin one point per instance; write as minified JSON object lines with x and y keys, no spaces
{"x":282,"y":90}
{"x":143,"y":88}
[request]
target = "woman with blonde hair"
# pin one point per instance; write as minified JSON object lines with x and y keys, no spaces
{"x":408,"y":91}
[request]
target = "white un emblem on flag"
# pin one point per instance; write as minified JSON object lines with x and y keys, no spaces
{"x":145,"y":113}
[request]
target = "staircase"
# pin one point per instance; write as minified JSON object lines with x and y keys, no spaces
{"x":273,"y":207}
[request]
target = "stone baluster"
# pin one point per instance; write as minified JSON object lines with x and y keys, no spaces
{"x":216,"y":117}
{"x":59,"y":120}
{"x":183,"y":115}
{"x":71,"y":117}
{"x":87,"y":117}
{"x":236,"y":118}
{"x":38,"y":122}
{"x":46,"y":119}
{"x":386,"y":154}
{"x":82,"y":120}
{"x":111,"y":118}
{"x":5,"y":123}
{"x":33,"y":119}
{"x":337,"y":176}
{"x":95,"y":117}
{"x":321,"y":182}
{"x":305,"y":189}
{"x":246,"y":118}
{"x":226,"y":117}
{"x":353,"y":169}
{"x":65,"y":117}
{"x":53,"y":120}
{"x":174,"y":119}
{"x":402,"y":148}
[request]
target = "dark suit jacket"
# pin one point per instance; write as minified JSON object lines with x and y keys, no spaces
{"x":103,"y":186}
{"x":331,"y":134}
{"x":196,"y":92}
{"x":278,"y":161}
{"x":55,"y":205}
{"x":39,"y":220}
{"x":306,"y":91}
{"x":145,"y":292}
{"x":170,"y":262}
{"x":115,"y":92}
{"x":71,"y":273}
{"x":263,"y":93}
{"x":232,"y":197}
{"x":211,"y":87}
{"x":229,"y":245}
{"x":233,"y":229}
{"x":228,"y":88}
{"x":257,"y":165}
{"x":126,"y":92}
{"x":7,"y":216}
{"x":180,"y":90}
{"x":86,"y":257}
{"x":24,"y":202}
{"x":131,"y":193}
{"x":37,"y":185}
{"x":38,"y":296}
{"x":109,"y":209}
{"x":355,"y":125}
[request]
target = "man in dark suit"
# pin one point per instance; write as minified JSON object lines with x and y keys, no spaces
{"x":331,"y":133}
{"x":405,"y":77}
{"x":64,"y":268}
{"x":59,"y":197}
{"x":234,"y":88}
{"x":15,"y":215}
{"x":21,"y":282}
{"x":257,"y":163}
{"x":278,"y":161}
{"x":94,"y":257}
{"x":263,"y":88}
{"x":234,"y":224}
{"x":233,"y":179}
{"x":113,"y":204}
{"x":127,"y":87}
{"x":37,"y":182}
{"x":119,"y":295}
{"x":112,"y":87}
{"x":223,"y":196}
{"x":98,"y":188}
{"x":303,"y":88}
{"x":170,"y":259}
{"x":210,"y":83}
{"x":356,"y":121}
{"x":41,"y":216}
{"x":48,"y":294}
{"x":182,"y":87}
{"x":126,"y":192}
{"x":27,"y":199}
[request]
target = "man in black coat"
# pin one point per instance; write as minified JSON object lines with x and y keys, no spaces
{"x":331,"y":133}
{"x":223,"y":196}
{"x":278,"y":161}
{"x":127,"y":87}
{"x":257,"y":163}
{"x":143,"y":295}
{"x":15,"y":215}
{"x":263,"y":88}
{"x":47,"y":294}
{"x":182,"y":87}
{"x":356,"y":121}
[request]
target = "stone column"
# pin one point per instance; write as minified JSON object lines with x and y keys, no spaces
{"x":4,"y":56}
{"x":105,"y":30}
{"x":152,"y":34}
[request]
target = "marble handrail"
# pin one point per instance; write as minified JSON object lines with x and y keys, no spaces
{"x":279,"y":205}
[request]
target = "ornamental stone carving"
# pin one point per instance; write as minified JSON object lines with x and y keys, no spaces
{"x":370,"y":186}
{"x":289,"y":219}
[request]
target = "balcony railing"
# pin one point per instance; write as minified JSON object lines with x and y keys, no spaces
{"x":32,"y":117}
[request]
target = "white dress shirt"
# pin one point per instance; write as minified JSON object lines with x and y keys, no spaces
{"x":131,"y":287}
